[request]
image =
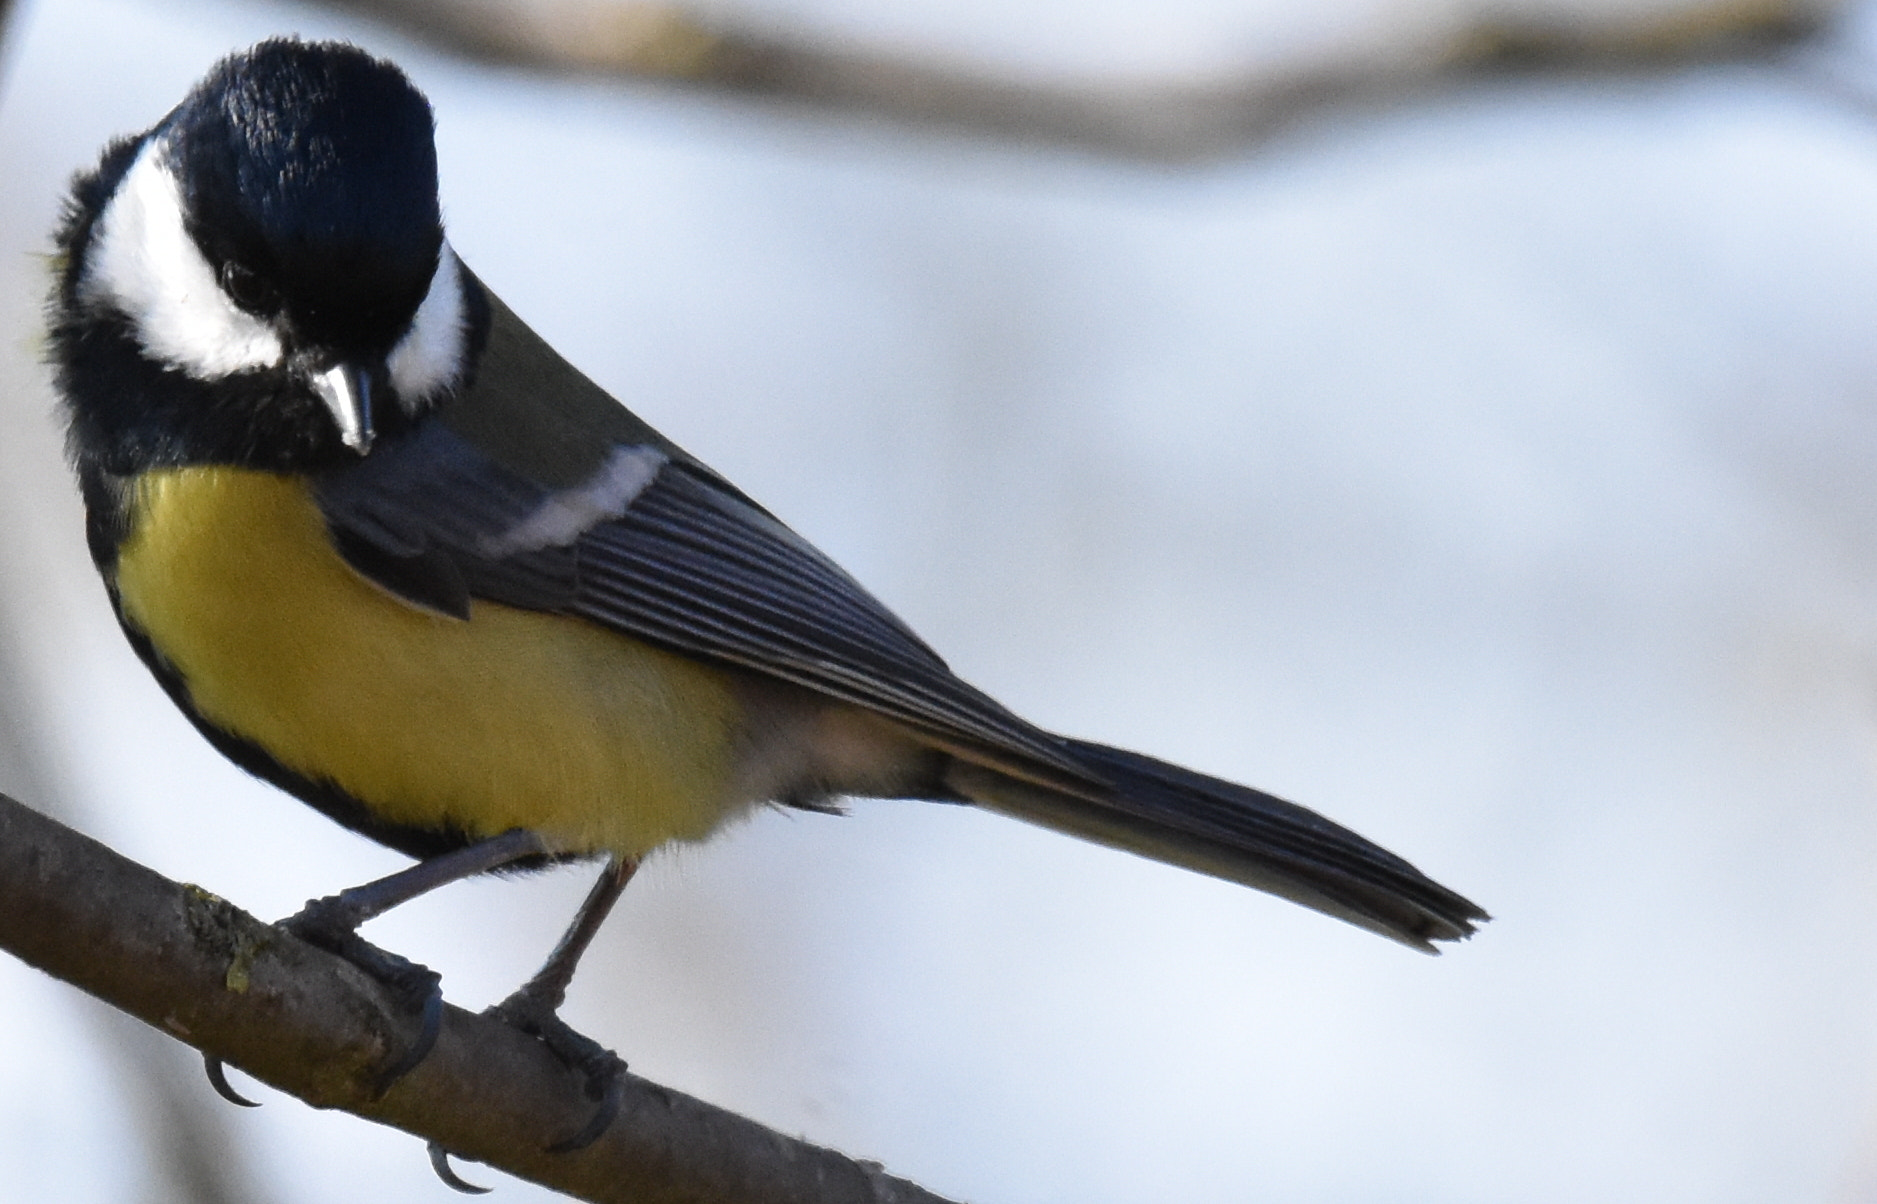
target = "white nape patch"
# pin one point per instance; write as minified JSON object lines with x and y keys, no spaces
{"x":143,"y":264}
{"x":430,"y":355}
{"x":566,"y":515}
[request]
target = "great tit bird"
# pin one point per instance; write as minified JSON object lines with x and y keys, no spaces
{"x":390,"y":552}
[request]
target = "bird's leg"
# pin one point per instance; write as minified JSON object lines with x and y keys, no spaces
{"x":332,"y":924}
{"x":534,"y":1008}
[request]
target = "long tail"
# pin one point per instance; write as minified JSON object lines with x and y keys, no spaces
{"x":1236,"y":833}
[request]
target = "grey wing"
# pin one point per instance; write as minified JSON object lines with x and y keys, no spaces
{"x":662,"y":549}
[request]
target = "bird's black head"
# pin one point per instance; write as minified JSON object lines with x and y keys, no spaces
{"x":262,"y":279}
{"x":309,"y":181}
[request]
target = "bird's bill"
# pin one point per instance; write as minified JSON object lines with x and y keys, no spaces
{"x":346,"y":390}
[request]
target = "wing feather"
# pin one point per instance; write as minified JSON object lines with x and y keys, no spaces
{"x":688,"y":563}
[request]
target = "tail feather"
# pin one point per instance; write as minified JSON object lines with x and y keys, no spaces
{"x":1235,"y":833}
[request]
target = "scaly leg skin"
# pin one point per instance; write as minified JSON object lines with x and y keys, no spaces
{"x":534,"y":1010}
{"x":332,"y":924}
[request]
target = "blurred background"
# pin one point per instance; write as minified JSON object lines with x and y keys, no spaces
{"x":1456,"y":417}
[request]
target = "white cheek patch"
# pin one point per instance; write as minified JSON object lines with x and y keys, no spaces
{"x":143,"y":264}
{"x":567,"y":515}
{"x":430,"y":355}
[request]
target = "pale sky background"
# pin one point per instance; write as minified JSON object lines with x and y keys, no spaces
{"x":1491,"y":473}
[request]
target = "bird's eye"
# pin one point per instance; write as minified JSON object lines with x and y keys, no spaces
{"x":246,"y":288}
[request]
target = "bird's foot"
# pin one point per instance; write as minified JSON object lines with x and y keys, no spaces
{"x":603,"y":1070}
{"x":333,"y":926}
{"x":328,"y":924}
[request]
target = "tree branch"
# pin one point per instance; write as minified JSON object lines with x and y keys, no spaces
{"x":315,"y":1027}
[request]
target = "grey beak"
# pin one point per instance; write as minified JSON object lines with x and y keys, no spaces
{"x":346,"y":390}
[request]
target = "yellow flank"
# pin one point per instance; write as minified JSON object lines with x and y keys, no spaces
{"x":510,"y":720}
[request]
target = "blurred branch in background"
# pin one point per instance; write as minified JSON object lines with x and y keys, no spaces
{"x":1168,"y":119}
{"x":314,"y":1026}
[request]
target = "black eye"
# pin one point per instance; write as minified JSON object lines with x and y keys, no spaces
{"x":246,"y":289}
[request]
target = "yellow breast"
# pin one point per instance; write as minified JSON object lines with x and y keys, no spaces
{"x":510,"y":719}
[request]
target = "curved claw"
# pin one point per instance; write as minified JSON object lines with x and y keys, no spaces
{"x":611,"y":1096}
{"x":420,"y":1048}
{"x":440,"y":1163}
{"x":603,"y":1070}
{"x":218,"y":1079}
